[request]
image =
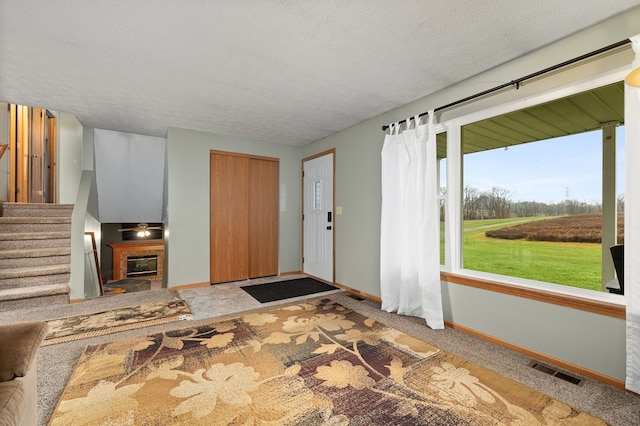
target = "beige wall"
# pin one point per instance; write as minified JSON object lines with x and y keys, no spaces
{"x":187,"y":198}
{"x":588,"y":340}
{"x":592,"y":341}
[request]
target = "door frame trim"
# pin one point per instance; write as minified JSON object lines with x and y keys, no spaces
{"x":333,"y":249}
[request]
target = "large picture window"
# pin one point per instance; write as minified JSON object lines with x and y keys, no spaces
{"x":538,"y":200}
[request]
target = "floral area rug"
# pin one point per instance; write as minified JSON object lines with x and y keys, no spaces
{"x":98,"y":324}
{"x":312,"y":363}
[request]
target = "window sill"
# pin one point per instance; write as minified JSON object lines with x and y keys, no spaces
{"x":597,"y":304}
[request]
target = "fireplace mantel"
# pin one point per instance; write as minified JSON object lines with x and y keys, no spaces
{"x":122,"y":251}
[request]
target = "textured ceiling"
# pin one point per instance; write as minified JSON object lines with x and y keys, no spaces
{"x":288,"y":72}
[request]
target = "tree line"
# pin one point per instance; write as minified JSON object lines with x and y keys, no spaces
{"x":496,"y":203}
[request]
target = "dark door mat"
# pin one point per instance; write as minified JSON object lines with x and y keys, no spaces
{"x":270,"y":292}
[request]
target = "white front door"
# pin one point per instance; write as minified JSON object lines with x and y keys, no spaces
{"x":318,"y":218}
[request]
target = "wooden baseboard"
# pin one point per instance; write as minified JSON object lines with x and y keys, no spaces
{"x":358,"y":292}
{"x":189,"y":286}
{"x":282,"y":274}
{"x":541,"y":357}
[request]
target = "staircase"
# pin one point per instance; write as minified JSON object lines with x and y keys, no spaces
{"x":35,"y":254}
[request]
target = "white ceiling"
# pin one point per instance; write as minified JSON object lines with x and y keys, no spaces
{"x":289,"y":72}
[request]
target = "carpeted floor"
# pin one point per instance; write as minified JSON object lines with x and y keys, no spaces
{"x":57,"y":362}
{"x":307,"y":363}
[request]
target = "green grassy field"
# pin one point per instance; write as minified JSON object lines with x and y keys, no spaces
{"x":571,"y":264}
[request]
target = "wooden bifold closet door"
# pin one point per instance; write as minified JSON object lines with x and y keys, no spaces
{"x":243,"y":217}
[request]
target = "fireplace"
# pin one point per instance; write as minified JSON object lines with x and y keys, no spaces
{"x":142,"y":266}
{"x":140,"y":259}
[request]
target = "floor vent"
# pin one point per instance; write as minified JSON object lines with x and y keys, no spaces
{"x":553,"y":372}
{"x":355,"y":296}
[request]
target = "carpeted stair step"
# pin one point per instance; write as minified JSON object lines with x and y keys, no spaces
{"x":37,"y":210}
{"x":27,"y":240}
{"x":34,"y":224}
{"x":35,"y":254}
{"x":35,"y":257}
{"x":34,"y":276}
{"x":30,"y":297}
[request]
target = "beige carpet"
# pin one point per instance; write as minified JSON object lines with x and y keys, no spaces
{"x":98,"y":324}
{"x":314,"y":362}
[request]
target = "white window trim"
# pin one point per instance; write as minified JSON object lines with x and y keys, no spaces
{"x":453,"y":204}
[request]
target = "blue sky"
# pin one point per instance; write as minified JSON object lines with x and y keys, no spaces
{"x":546,"y":171}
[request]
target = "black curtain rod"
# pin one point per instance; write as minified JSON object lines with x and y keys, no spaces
{"x":517,"y":81}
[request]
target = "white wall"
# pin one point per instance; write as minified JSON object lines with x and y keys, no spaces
{"x":592,"y":341}
{"x":187,"y":211}
{"x":79,"y":186}
{"x":69,"y":157}
{"x":82,"y":221}
{"x":84,"y":217}
{"x":129,"y":175}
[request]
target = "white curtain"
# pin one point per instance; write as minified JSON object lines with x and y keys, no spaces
{"x":632,"y":226}
{"x":410,"y":226}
